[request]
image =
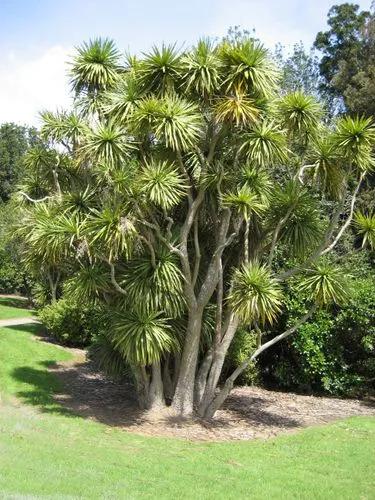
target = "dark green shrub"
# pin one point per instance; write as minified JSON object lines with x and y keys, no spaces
{"x":73,"y":323}
{"x":333,"y":353}
{"x":11,"y":280}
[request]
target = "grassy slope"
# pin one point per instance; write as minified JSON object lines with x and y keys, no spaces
{"x":14,"y":308}
{"x":45,"y":451}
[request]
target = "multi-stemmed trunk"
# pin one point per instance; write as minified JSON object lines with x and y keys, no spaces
{"x":149,"y":387}
{"x":183,"y":400}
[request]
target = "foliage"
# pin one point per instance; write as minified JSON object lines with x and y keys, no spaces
{"x":14,"y":278}
{"x":170,"y":194}
{"x":255,"y":294}
{"x":14,"y":142}
{"x":347,"y":64}
{"x":72,"y":323}
{"x":242,"y":347}
{"x":334,"y":352}
{"x":11,"y":279}
{"x":299,"y":70}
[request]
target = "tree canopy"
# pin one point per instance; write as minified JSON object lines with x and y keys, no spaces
{"x":14,"y":142}
{"x":183,"y":193}
{"x":347,"y":64}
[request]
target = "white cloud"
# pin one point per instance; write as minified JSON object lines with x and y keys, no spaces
{"x":284,"y":21}
{"x":29,"y":86}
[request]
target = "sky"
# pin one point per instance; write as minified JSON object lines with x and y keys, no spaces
{"x":37,"y":37}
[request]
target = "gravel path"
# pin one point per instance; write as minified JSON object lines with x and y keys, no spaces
{"x":18,"y":321}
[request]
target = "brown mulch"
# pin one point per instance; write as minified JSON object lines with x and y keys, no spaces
{"x":250,"y":412}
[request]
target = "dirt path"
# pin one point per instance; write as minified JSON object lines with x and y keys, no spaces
{"x":250,"y":412}
{"x":18,"y":321}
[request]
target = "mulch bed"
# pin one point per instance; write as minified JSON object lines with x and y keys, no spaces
{"x":250,"y":412}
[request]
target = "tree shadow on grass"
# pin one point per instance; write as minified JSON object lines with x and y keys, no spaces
{"x":42,"y":387}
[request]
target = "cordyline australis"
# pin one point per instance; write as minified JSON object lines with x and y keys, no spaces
{"x":176,"y":193}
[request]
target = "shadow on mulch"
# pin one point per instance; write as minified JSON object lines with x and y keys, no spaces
{"x":250,"y":412}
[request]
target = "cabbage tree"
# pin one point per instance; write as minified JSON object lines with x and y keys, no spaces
{"x":194,"y":192}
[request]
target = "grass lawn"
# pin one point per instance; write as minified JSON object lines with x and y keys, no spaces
{"x":47,"y":452}
{"x":13,"y":307}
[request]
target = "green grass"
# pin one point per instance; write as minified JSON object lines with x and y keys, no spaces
{"x":13,"y":307}
{"x":47,"y":452}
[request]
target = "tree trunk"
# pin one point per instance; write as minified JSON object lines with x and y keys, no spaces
{"x":217,"y":365}
{"x":156,"y":392}
{"x":183,"y":399}
{"x":201,"y":379}
{"x":167,"y":381}
{"x":142,"y":386}
{"x":53,"y":286}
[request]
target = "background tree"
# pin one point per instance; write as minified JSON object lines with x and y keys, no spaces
{"x":299,"y":70}
{"x":347,"y":64}
{"x":185,"y":196}
{"x":14,"y":142}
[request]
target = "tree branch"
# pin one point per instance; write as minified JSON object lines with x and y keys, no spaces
{"x":151,"y":248}
{"x":197,"y":252}
{"x":33,"y":200}
{"x":223,"y":394}
{"x":157,"y":230}
{"x":113,"y":278}
{"x":325,"y":248}
{"x":301,"y":171}
{"x":275,"y":237}
{"x":349,"y":219}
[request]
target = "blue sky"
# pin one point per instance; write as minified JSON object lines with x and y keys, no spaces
{"x":37,"y":36}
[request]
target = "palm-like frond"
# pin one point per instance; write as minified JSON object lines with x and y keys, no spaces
{"x":174,"y":121}
{"x":49,"y":234}
{"x":143,"y":337}
{"x":355,"y":139}
{"x":108,"y":359}
{"x":265,"y":144}
{"x":162,"y":184}
{"x":245,"y":201}
{"x":107,"y":143}
{"x":238,"y":108}
{"x":327,"y":166}
{"x":255,"y":294}
{"x":159,"y":288}
{"x":365,"y":225}
{"x":119,"y":177}
{"x":121,"y":102}
{"x":88,"y":282}
{"x":111,"y":230}
{"x":159,"y":71}
{"x":299,"y":113}
{"x":39,"y":158}
{"x":258,"y":181}
{"x":79,"y":201}
{"x":201,"y":69}
{"x":303,"y":231}
{"x":95,"y":66}
{"x":213,"y":177}
{"x":303,"y":228}
{"x":63,"y":127}
{"x":248,"y":69}
{"x":325,"y":284}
